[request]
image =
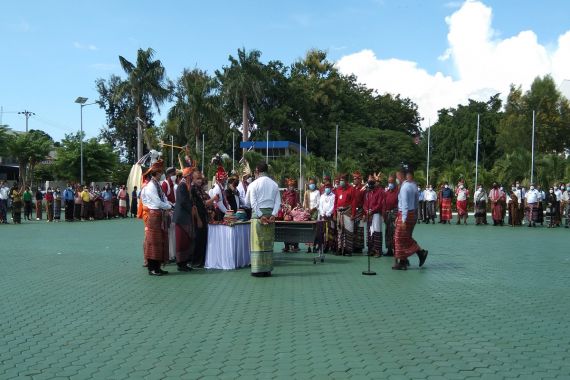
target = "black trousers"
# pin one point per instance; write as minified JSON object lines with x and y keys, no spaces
{"x":69,"y":210}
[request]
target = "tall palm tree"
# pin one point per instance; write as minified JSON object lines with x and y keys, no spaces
{"x":146,"y":84}
{"x":241,"y":83}
{"x":195,"y":104}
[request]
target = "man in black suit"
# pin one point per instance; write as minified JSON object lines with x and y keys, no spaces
{"x":184,"y":214}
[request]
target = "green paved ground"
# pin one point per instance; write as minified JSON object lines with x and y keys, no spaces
{"x":489,"y":303}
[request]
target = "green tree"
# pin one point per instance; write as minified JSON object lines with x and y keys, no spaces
{"x":146,"y":83}
{"x":99,"y":160}
{"x":29,"y":149}
{"x":241,"y":84}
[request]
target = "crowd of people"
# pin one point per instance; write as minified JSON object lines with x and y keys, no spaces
{"x":77,"y":202}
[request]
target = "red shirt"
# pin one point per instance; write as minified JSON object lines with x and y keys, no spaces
{"x":357,"y":199}
{"x":343,"y":197}
{"x":290,"y":197}
{"x":168,"y":190}
{"x":374,"y":200}
{"x":391,"y":199}
{"x":49,"y":196}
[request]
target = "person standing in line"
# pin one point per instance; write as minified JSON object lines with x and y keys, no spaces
{"x":39,"y":203}
{"x":462,"y":194}
{"x":28,"y":196}
{"x":405,"y":245}
{"x":49,"y":204}
{"x":311,"y":205}
{"x":155,"y":210}
{"x":446,"y":195}
{"x":202,"y":201}
{"x":421,"y":205}
{"x":265,"y":201}
{"x":4,"y":195}
{"x":68,"y":198}
{"x":344,"y":194}
{"x":123,"y":201}
{"x":357,"y":211}
{"x":480,"y":199}
{"x":520,"y":193}
{"x":566,"y":204}
{"x":373,"y":209}
{"x":497,"y":197}
{"x":390,"y":209}
{"x":17,"y":195}
{"x":326,"y":212}
{"x":430,"y":199}
{"x":531,"y":201}
{"x":134,"y":202}
{"x":57,"y":204}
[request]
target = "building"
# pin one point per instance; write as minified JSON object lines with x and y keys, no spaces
{"x":274,"y":149}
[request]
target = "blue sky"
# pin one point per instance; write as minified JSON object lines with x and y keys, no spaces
{"x":53,"y":51}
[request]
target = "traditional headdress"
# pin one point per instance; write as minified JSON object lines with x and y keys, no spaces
{"x":220,"y":172}
{"x":158,"y":166}
{"x":356,"y":174}
{"x":291,"y":182}
{"x":187,"y":171}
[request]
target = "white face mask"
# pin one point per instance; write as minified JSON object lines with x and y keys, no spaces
{"x":461,"y":187}
{"x":532,"y":187}
{"x":173,"y":178}
{"x":446,"y":186}
{"x":249,"y":180}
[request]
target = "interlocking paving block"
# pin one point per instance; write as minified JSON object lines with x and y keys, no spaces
{"x":490,"y":303}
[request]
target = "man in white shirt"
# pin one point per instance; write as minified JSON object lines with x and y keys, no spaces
{"x":430,"y":199}
{"x":326,"y":209}
{"x":532,"y":197}
{"x":265,"y":201}
{"x":218,"y":193}
{"x":4,"y":195}
{"x":156,"y":217}
{"x":565,"y":206}
{"x":311,"y":205}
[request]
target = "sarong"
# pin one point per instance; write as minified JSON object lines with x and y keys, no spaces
{"x":262,"y":238}
{"x":358,"y":239}
{"x":183,"y":242}
{"x":461,"y":208}
{"x":17,"y":211}
{"x":200,"y":245}
{"x":57,"y":209}
{"x":39,"y":210}
{"x":108,"y":209}
{"x":375,"y":234}
{"x":171,"y":242}
{"x":421,"y":210}
{"x":345,"y":230}
{"x":49,"y":210}
{"x":567,"y":211}
{"x":28,"y":209}
{"x":481,"y":212}
{"x":532,"y":212}
{"x":77,"y":210}
{"x":430,"y":210}
{"x":155,"y":244}
{"x":390,"y":229}
{"x":123,"y":207}
{"x":445,"y":211}
{"x":515,"y":216}
{"x":405,"y":245}
{"x":540,"y":212}
{"x":69,"y":210}
{"x":497,"y":212}
{"x":85,"y":211}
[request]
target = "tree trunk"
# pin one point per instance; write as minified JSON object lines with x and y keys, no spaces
{"x":139,"y":135}
{"x":245,"y":122}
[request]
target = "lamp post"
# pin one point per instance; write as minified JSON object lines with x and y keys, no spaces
{"x":81,"y":101}
{"x":27,"y":114}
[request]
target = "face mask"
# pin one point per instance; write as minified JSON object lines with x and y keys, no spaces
{"x":371,"y":183}
{"x":249,"y":180}
{"x":429,"y":188}
{"x":532,"y":187}
{"x":480,"y":189}
{"x":397,"y":181}
{"x":312,"y":186}
{"x":327,"y":190}
{"x":391,"y":186}
{"x":173,"y":178}
{"x":551,"y":191}
{"x":513,"y":188}
{"x":517,"y":185}
{"x":461,"y":187}
{"x":501,"y":188}
{"x":342,"y":183}
{"x":446,"y":186}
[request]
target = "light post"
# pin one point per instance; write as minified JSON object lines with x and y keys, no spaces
{"x":81,"y":101}
{"x":27,"y":114}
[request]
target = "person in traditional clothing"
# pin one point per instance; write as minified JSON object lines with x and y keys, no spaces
{"x":156,"y":211}
{"x":520,"y":192}
{"x":17,"y":195}
{"x":39,"y":203}
{"x":68,"y":200}
{"x":405,"y":245}
{"x":168,"y":186}
{"x":57,"y":204}
{"x":390,"y":213}
{"x":558,"y":191}
{"x":85,"y":199}
{"x":265,"y":201}
{"x":123,"y":201}
{"x":462,"y":194}
{"x":515,"y":215}
{"x":185,"y":216}
{"x":289,"y":201}
{"x":311,"y":205}
{"x":551,"y":208}
{"x":357,"y":212}
{"x":566,"y":205}
{"x":49,"y":204}
{"x":326,"y":222}
{"x":430,"y":199}
{"x":374,"y":208}
{"x":218,"y":193}
{"x":134,"y":202}
{"x":531,"y":203}
{"x":497,"y":198}
{"x":343,"y":210}
{"x":4,"y":196}
{"x":445,"y":196}
{"x":421,"y":205}
{"x":28,"y":196}
{"x":541,"y":201}
{"x":232,"y":194}
{"x":107,"y":202}
{"x":480,"y":199}
{"x":202,"y":201}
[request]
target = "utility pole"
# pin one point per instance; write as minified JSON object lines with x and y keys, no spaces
{"x":27,"y":114}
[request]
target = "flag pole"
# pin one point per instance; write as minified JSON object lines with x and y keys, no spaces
{"x":532,"y":155}
{"x":428,"y":147}
{"x":202,"y":154}
{"x":477,"y":154}
{"x":336,"y":151}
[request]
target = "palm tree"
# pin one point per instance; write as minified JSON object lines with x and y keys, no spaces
{"x":241,"y":83}
{"x":195,"y":104}
{"x":146,"y":84}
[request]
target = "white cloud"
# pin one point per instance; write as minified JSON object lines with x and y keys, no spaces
{"x":484,"y":64}
{"x":81,"y":46}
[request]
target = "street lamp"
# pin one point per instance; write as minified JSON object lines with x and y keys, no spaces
{"x":81,"y":101}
